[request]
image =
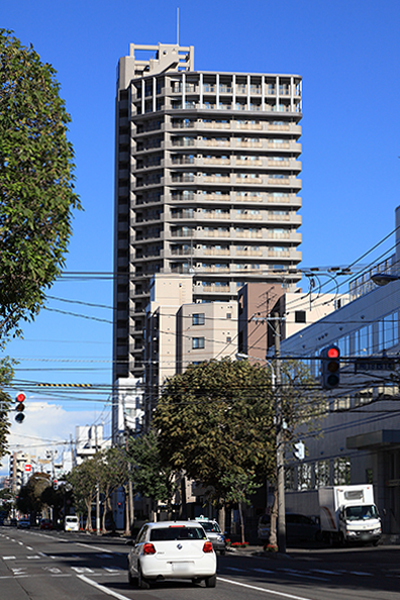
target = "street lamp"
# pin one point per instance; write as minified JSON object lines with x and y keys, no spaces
{"x":384,"y":278}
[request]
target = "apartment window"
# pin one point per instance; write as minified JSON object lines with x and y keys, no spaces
{"x":229,"y":315}
{"x":300,"y":316}
{"x":322,"y":473}
{"x":304,"y":472}
{"x":197,"y":343}
{"x":341,"y":471}
{"x":198,"y":319}
{"x":228,"y":339}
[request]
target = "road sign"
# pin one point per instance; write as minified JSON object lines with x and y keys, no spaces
{"x":374,"y":363}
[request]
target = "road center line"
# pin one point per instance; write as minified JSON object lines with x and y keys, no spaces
{"x":265,"y":590}
{"x":103,"y":589}
{"x":95,"y":548}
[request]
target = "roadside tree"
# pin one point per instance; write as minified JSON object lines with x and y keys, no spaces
{"x":217,"y":420}
{"x":84,"y":478}
{"x":6,"y":374}
{"x":150,"y":475}
{"x":36,"y":182}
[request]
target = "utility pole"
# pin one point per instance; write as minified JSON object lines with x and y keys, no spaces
{"x":280,"y":447}
{"x":98,"y":532}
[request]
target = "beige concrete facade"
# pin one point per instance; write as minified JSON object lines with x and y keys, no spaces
{"x":207,"y":167}
{"x":258,"y":301}
{"x":180,"y":331}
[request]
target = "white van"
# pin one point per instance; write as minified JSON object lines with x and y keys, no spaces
{"x":71,"y":523}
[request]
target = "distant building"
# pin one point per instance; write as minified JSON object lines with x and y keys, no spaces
{"x":88,"y":441}
{"x":127,"y":409}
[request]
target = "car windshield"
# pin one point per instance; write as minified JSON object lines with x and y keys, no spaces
{"x":213,"y":527}
{"x":354,"y":513}
{"x":176,"y":533}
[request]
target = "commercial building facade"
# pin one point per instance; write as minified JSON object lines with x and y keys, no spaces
{"x":206,"y":184}
{"x":360,"y":431}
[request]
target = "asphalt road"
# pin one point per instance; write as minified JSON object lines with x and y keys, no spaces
{"x":37,"y":565}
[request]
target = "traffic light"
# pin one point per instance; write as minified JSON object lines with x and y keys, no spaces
{"x":330,"y":367}
{"x":20,"y":407}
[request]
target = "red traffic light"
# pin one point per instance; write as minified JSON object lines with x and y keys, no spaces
{"x":20,"y":397}
{"x":333,"y":352}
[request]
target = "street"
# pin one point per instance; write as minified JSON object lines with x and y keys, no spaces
{"x":38,"y":565}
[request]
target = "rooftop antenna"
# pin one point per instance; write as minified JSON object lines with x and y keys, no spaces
{"x":177,"y":26}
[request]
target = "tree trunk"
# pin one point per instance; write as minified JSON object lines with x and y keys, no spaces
{"x":127,"y":517}
{"x":88,"y":502}
{"x":222,"y":519}
{"x":241,"y":521}
{"x":273,"y":540}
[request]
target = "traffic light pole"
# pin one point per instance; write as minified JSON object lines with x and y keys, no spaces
{"x":280,"y":455}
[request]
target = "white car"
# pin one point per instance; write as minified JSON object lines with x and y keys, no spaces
{"x":172,"y":550}
{"x":71,"y":523}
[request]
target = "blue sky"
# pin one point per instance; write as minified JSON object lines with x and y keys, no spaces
{"x":348,"y":55}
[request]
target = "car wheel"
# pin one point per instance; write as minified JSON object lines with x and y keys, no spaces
{"x":132,"y":580}
{"x":211,"y":581}
{"x":143,"y":584}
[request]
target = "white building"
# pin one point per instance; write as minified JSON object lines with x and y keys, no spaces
{"x":360,"y":440}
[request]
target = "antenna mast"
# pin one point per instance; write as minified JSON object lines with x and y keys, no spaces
{"x":177,"y":26}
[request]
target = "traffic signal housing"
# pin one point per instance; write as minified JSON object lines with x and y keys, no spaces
{"x":20,"y":406}
{"x":330,"y":367}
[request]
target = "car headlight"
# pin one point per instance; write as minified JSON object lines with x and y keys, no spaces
{"x":351,"y":532}
{"x":220,"y":538}
{"x":377,"y":531}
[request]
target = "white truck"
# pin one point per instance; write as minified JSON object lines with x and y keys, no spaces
{"x":348,"y":514}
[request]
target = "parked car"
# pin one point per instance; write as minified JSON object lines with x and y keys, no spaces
{"x":298,"y":527}
{"x":214,"y":533}
{"x":23,"y":524}
{"x":46,"y":524}
{"x":71,"y":523}
{"x":172,"y":550}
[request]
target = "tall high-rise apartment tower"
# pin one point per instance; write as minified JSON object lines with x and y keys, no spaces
{"x":206,"y":183}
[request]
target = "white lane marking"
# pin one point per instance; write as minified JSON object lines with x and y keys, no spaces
{"x":113,"y":569}
{"x":9,"y":558}
{"x":361,"y":573}
{"x":21,"y":543}
{"x":18,"y":571}
{"x":296,"y":573}
{"x":103,"y":589}
{"x":53,"y":570}
{"x":33,"y":557}
{"x":263,"y":571}
{"x":325,"y":572}
{"x":29,"y":548}
{"x":82,"y":570}
{"x":95,"y":548}
{"x":265,"y":590}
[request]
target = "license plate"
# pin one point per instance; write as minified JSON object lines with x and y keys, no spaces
{"x":182,"y":567}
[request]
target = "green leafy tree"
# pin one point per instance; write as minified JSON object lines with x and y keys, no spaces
{"x":36,"y":182}
{"x":84,"y":478}
{"x":150,"y":475}
{"x":29,"y":500}
{"x":217,"y":419}
{"x":113,"y":473}
{"x":239,"y":487}
{"x":6,"y":374}
{"x":215,"y":422}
